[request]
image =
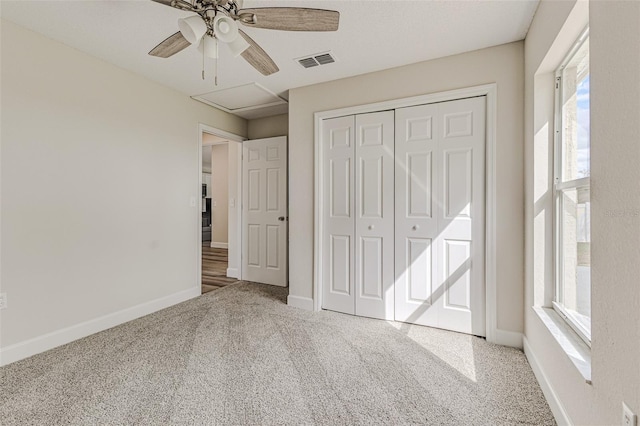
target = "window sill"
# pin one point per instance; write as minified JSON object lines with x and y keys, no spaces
{"x":568,"y":340}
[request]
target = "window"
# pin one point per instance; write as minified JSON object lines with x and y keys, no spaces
{"x":572,"y":190}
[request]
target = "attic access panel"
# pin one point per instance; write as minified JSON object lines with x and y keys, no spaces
{"x":241,"y":98}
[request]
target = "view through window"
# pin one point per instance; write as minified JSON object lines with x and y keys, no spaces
{"x":572,"y":190}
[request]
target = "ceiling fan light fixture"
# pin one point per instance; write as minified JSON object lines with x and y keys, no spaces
{"x":225,"y":29}
{"x":209,"y":46}
{"x":238,"y":46}
{"x":192,"y":28}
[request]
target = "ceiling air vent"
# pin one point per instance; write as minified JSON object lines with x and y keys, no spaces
{"x":308,"y":62}
{"x":324,"y":59}
{"x":317,"y":59}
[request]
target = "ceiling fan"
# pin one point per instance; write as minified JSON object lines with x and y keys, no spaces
{"x":217,"y":20}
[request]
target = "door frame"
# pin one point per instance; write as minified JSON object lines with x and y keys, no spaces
{"x":205,"y":128}
{"x":488,"y":90}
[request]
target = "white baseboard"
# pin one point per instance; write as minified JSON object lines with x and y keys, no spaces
{"x":554,"y":402}
{"x":232,"y":273}
{"x":508,"y":338}
{"x":66,"y":335}
{"x":219,"y":245}
{"x":305,"y":303}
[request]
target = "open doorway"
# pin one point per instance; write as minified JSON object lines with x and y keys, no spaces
{"x":220,"y":245}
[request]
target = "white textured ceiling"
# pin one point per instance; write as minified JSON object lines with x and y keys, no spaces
{"x":373,"y":35}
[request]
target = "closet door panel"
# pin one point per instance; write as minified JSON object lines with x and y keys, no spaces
{"x":374,"y":224}
{"x":338,"y":140}
{"x":416,"y":229}
{"x":440,"y":215}
{"x":461,"y":276}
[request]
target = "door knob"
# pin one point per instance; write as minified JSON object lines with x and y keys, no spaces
{"x":415,"y":227}
{"x":370,"y":227}
{"x":281,"y":218}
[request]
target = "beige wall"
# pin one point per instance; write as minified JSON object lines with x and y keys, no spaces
{"x":502,"y":65}
{"x":615,"y":176}
{"x":98,"y":170}
{"x":268,"y":127}
{"x":615,"y":130}
{"x":220,"y":193}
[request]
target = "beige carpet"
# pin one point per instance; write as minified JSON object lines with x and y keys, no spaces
{"x":240,"y":355}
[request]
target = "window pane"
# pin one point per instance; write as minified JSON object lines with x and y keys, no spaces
{"x":575,"y":116}
{"x":575,"y":294}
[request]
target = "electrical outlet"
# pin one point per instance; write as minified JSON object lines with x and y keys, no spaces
{"x":3,"y":300}
{"x":628,"y":418}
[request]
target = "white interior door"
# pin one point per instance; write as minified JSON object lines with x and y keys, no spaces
{"x":339,"y":214}
{"x":440,"y":158}
{"x":264,"y":211}
{"x":374,"y":225}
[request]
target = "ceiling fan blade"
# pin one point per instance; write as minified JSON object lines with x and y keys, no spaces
{"x":257,"y":57}
{"x":292,"y":18}
{"x":170,"y":46}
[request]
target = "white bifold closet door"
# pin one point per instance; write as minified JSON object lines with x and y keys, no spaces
{"x":439,"y":234}
{"x":358,"y":246}
{"x":339,"y":215}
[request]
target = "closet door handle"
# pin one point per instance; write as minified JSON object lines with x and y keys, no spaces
{"x":415,"y":227}
{"x":371,"y":227}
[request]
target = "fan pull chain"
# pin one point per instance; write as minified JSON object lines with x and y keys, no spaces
{"x":203,"y":64}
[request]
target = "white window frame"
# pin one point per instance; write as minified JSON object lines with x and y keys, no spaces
{"x":558,"y":188}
